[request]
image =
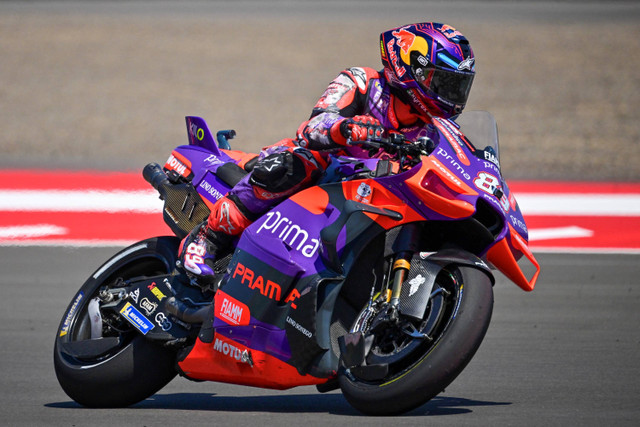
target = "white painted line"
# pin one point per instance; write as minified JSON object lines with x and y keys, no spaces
{"x":579,"y":204}
{"x":80,"y":201}
{"x":579,"y":250}
{"x":124,"y":243}
{"x":31,"y":231}
{"x":68,"y":243}
{"x":558,"y":233}
{"x":93,"y":200}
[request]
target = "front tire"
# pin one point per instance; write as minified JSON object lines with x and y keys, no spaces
{"x":122,"y":367}
{"x":419,"y":376}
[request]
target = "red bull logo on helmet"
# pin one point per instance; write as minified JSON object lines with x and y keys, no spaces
{"x":404,"y":39}
{"x":409,"y":42}
{"x":393,"y":58}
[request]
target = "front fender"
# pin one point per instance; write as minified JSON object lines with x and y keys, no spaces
{"x":416,"y":290}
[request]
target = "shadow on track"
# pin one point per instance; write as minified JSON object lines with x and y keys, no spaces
{"x":333,"y":403}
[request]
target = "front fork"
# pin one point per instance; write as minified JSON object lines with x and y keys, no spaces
{"x":383,"y":311}
{"x":405,"y":245}
{"x":401,"y":267}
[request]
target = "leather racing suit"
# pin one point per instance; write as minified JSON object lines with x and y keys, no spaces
{"x":292,"y":165}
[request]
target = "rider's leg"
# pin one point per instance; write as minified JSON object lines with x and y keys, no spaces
{"x":274,"y":178}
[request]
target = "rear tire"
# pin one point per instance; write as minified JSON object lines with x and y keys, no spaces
{"x":130,"y":368}
{"x":427,"y":375}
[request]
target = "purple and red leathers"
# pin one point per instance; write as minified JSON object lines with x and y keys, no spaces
{"x":428,"y":71}
{"x":356,"y":105}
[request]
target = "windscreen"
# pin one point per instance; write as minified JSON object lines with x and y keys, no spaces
{"x":481,"y":130}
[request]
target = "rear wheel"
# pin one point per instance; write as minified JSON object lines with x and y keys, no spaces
{"x":119,"y":367}
{"x":419,"y":368}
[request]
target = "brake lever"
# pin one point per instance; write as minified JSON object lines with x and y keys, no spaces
{"x":398,"y":145}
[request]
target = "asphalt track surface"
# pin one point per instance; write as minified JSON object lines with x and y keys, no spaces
{"x":564,"y":354}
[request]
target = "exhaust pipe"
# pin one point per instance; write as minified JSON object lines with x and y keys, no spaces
{"x":155,"y":176}
{"x":183,"y":206}
{"x":185,"y":312}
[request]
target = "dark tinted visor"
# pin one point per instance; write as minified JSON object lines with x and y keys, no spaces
{"x":449,"y":85}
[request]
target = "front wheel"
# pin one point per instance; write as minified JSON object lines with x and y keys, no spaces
{"x":456,"y":321}
{"x":119,"y":367}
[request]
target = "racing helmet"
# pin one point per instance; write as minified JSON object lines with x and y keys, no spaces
{"x":433,"y":62}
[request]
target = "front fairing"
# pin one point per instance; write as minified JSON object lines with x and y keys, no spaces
{"x":460,"y":175}
{"x":481,"y":130}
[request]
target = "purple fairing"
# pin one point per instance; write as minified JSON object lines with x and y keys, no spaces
{"x":204,"y":163}
{"x":288,"y":238}
{"x":396,"y":184}
{"x":258,"y":336}
{"x":205,"y":158}
{"x":212,"y":188}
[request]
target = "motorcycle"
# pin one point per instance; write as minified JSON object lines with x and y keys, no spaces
{"x":377,"y":281}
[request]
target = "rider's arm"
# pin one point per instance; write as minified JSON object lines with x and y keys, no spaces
{"x":346,"y":96}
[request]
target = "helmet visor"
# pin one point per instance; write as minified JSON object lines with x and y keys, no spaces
{"x":451,"y":86}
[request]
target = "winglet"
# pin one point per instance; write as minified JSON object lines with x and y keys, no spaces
{"x":200,"y":135}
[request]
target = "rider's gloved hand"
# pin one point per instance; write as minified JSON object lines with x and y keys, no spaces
{"x":357,"y":128}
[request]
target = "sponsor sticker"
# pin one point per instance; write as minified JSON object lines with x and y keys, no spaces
{"x":163,"y":321}
{"x":393,"y":57}
{"x":415,"y":283}
{"x":299,"y":327}
{"x":135,"y":295}
{"x":148,"y":306}
{"x":363,"y":194}
{"x":211,"y":188}
{"x":466,"y":64}
{"x":292,"y":234}
{"x":267,"y":287}
{"x":232,"y":351}
{"x":453,"y":136}
{"x":196,"y":131}
{"x":137,"y":319}
{"x":69,"y":317}
{"x":231,"y":310}
{"x":156,"y":292}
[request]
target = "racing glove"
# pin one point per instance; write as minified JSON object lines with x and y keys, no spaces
{"x":357,"y":128}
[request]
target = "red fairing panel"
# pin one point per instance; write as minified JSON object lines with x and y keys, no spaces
{"x":225,"y":360}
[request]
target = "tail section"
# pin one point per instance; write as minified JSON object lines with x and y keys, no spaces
{"x":200,"y":135}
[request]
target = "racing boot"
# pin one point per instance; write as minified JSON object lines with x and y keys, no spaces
{"x":199,"y":249}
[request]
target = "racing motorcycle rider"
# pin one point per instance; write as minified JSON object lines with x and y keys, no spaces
{"x":428,"y":72}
